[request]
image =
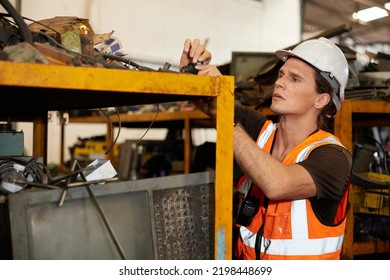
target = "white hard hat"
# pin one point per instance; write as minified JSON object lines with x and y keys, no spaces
{"x":327,"y":58}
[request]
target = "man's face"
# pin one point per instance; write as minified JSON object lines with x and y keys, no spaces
{"x":294,"y":92}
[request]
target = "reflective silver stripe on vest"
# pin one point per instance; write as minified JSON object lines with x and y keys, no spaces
{"x":299,"y":223}
{"x":303,"y":154}
{"x":293,"y":247}
{"x":304,"y":247}
{"x":266,"y":134}
{"x":248,"y":237}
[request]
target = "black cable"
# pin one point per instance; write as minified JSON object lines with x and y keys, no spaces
{"x":33,"y":168}
{"x":25,"y":32}
{"x":111,"y":130}
{"x":380,"y":145}
{"x":32,"y":20}
{"x":125,"y":60}
{"x":40,"y":23}
{"x":119,"y":128}
{"x":154,"y":119}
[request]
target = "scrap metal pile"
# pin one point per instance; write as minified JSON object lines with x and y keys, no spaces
{"x":61,"y":40}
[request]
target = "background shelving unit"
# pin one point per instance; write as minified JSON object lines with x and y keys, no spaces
{"x":185,"y":119}
{"x":353,"y":114}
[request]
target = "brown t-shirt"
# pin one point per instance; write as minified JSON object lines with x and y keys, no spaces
{"x":329,"y":166}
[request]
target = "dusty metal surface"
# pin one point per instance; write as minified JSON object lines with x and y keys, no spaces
{"x":174,"y":209}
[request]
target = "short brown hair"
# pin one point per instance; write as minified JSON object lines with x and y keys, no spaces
{"x":328,"y":112}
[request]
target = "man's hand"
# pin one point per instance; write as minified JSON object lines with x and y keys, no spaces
{"x":193,"y":52}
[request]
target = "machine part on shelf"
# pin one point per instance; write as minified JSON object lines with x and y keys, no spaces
{"x":24,"y":52}
{"x":54,"y":55}
{"x":126,"y":61}
{"x":71,"y":41}
{"x":190,"y":68}
{"x":12,"y":141}
{"x":166,"y":66}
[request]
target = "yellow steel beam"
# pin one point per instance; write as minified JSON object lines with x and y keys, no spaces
{"x":224,"y":171}
{"x":103,"y":79}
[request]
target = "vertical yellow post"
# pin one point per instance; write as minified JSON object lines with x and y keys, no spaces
{"x":224,"y":170}
{"x":187,"y":145}
{"x":40,"y":135}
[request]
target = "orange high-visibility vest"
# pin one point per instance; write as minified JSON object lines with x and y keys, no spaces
{"x":291,"y":229}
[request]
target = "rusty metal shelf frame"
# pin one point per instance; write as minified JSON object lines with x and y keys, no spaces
{"x":343,"y":125}
{"x":29,"y":91}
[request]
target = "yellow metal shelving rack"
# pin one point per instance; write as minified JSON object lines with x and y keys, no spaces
{"x":29,"y":91}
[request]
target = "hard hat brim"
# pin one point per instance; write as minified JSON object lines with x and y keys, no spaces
{"x":284,"y":55}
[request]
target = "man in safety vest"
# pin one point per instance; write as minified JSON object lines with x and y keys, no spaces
{"x":295,"y":187}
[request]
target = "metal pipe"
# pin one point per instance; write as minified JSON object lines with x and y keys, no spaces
{"x":71,"y":185}
{"x":65,"y":191}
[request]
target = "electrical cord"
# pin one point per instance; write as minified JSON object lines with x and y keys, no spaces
{"x":25,"y":32}
{"x":150,"y":126}
{"x":112,"y":141}
{"x":380,"y":145}
{"x":35,"y":170}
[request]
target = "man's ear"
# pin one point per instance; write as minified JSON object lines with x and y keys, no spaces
{"x":322,"y":100}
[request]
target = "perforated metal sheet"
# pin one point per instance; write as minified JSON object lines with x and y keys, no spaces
{"x":184,"y":222}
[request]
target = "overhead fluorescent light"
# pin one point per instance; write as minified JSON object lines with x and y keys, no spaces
{"x":387,"y":5}
{"x":370,"y":14}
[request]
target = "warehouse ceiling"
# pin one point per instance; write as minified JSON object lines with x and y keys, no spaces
{"x":320,"y":15}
